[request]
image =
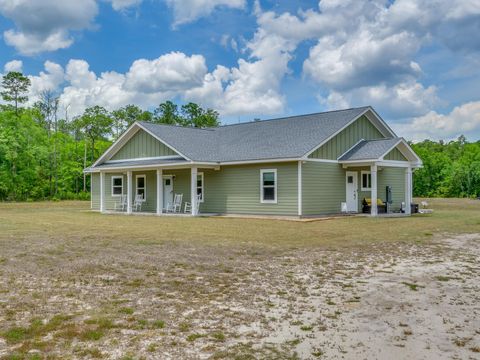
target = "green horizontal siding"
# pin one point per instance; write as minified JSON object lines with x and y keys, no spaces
{"x":323,"y":188}
{"x":142,"y":145}
{"x":95,"y":191}
{"x":395,"y":154}
{"x":386,"y":176}
{"x":394,"y":177}
{"x":181,"y":184}
{"x":151,"y":190}
{"x":150,"y":204}
{"x":236,"y":190}
{"x":110,"y":200}
{"x":362,"y":128}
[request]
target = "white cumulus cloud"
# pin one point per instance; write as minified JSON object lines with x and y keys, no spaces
{"x":185,"y":11}
{"x":14,"y":65}
{"x":462,"y":120}
{"x":45,"y":25}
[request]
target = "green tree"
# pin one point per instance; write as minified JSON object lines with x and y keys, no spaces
{"x":96,"y":124}
{"x":195,"y":116}
{"x":167,"y":113}
{"x":126,"y":116}
{"x":15,"y":87}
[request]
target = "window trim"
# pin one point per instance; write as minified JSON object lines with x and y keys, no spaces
{"x":202,"y":187}
{"x":365,"y":172}
{"x":275,"y":186}
{"x":112,"y":179}
{"x":144,"y":186}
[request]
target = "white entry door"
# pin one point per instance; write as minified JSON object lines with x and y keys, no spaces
{"x":167,"y":190}
{"x":352,"y":189}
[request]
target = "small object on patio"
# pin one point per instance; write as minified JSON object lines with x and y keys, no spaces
{"x":367,"y":206}
{"x":188,"y":205}
{"x":424,"y":209}
{"x":122,"y":204}
{"x":137,"y":204}
{"x":344,"y":207}
{"x":176,"y":206}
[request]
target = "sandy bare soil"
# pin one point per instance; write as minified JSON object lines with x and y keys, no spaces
{"x":93,"y":298}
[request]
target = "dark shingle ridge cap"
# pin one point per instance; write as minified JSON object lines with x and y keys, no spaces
{"x":254,"y":122}
{"x":294,"y":116}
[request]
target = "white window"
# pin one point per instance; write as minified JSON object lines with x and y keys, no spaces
{"x":366,"y":181}
{"x":200,"y":190}
{"x":117,"y":185}
{"x":268,"y":186}
{"x":141,"y":186}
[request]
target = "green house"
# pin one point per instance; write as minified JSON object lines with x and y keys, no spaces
{"x":309,"y":165}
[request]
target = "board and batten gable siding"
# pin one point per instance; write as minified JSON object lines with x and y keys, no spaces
{"x":362,"y":128}
{"x":323,"y":188}
{"x":395,"y":154}
{"x":235,"y":189}
{"x":142,"y":145}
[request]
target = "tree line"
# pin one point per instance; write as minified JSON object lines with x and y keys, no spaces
{"x":43,"y":154}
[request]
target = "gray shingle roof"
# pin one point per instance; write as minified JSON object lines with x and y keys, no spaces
{"x":290,"y":137}
{"x":127,"y":163}
{"x":369,"y":149}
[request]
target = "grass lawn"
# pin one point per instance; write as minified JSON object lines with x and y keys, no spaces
{"x":77,"y":284}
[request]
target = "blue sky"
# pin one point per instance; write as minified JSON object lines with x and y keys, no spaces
{"x":416,"y":62}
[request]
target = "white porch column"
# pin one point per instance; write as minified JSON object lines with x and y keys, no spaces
{"x":408,"y":190}
{"x":129,"y":192}
{"x":373,"y":172}
{"x":159,"y":191}
{"x":102,"y":191}
{"x":193,"y":190}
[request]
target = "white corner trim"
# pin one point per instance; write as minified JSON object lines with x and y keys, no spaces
{"x":262,"y":171}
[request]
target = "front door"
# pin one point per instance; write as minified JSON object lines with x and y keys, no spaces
{"x":167,"y":190}
{"x":352,"y":189}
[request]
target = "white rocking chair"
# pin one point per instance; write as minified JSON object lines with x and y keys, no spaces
{"x":137,"y":204}
{"x":188,"y":205}
{"x":122,"y":204}
{"x":176,"y":206}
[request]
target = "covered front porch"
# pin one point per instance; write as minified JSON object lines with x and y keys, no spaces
{"x":378,"y":188}
{"x":162,"y":190}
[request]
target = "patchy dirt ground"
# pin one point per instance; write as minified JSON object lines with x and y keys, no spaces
{"x":86,"y":297}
